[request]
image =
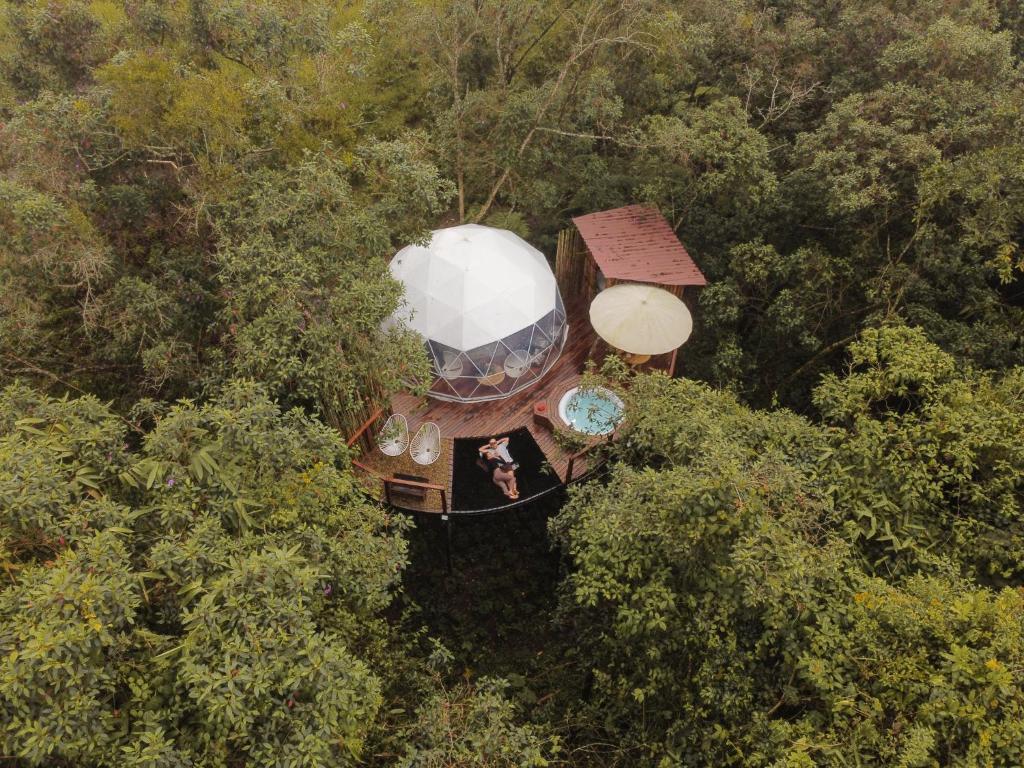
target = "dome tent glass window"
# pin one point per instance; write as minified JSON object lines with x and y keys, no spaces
{"x":488,"y":308}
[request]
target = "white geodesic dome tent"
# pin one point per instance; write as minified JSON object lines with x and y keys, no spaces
{"x":488,"y":308}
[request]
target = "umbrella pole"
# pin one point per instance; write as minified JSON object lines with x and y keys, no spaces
{"x":672,"y":363}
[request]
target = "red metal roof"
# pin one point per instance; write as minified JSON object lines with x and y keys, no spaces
{"x":636,"y":243}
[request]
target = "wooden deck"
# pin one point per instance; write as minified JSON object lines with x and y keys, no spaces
{"x":493,"y":417}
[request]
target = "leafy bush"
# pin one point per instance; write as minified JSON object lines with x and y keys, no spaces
{"x":721,"y":599}
{"x":202,"y":598}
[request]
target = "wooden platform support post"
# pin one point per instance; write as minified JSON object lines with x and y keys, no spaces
{"x":447,"y":541}
{"x":570,"y":266}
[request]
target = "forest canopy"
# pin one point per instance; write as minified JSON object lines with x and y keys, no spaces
{"x":805,"y":551}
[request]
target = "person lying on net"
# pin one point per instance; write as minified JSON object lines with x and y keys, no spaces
{"x":497,"y":447}
{"x":504,"y":476}
{"x":502,"y":468}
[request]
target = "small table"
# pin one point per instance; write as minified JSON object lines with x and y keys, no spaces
{"x":494,"y":378}
{"x":542,"y":415}
{"x":632,"y":359}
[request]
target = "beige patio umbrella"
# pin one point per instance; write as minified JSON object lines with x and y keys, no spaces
{"x":640,"y":319}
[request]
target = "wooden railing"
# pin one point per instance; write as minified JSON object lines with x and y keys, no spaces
{"x":580,"y":454}
{"x":361,"y":432}
{"x":393,"y":481}
{"x":388,"y":482}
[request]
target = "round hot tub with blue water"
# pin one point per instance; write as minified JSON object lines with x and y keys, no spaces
{"x":593,"y":411}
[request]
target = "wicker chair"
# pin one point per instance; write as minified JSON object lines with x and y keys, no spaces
{"x":394,"y":436}
{"x":451,"y":367}
{"x":426,"y":444}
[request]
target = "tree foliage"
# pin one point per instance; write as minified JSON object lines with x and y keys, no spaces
{"x":731,"y":599}
{"x":204,"y":596}
{"x":926,"y":458}
{"x":305,"y":294}
{"x":197,"y":204}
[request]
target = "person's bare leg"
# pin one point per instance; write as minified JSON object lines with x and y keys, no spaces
{"x":509,"y":479}
{"x":502,"y":484}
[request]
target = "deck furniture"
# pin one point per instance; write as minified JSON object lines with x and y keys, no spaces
{"x":426,"y":444}
{"x":517,"y":363}
{"x":493,"y":378}
{"x":542,"y":415}
{"x":641,"y":319}
{"x":393,"y":438}
{"x":451,"y":367}
{"x":412,"y":491}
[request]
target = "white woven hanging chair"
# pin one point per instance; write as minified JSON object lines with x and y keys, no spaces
{"x":451,"y":367}
{"x":426,"y":444}
{"x":394,"y":436}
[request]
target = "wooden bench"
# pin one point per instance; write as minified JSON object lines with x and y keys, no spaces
{"x":412,"y":491}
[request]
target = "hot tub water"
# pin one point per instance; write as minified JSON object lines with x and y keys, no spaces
{"x":593,"y":411}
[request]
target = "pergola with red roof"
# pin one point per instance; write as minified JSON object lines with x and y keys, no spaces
{"x":632,"y":244}
{"x":636,"y":244}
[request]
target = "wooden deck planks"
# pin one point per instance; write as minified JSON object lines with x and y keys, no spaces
{"x":497,"y":417}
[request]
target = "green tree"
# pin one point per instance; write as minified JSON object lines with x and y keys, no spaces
{"x":927,"y":461}
{"x":305,"y":282}
{"x":213,"y":594}
{"x":721,"y":610}
{"x":473,"y":726}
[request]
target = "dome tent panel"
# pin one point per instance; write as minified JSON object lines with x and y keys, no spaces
{"x":485,"y":374}
{"x":559,"y":309}
{"x":478,"y":295}
{"x":518,"y":344}
{"x":482,"y":358}
{"x":471,"y":285}
{"x":448,"y":362}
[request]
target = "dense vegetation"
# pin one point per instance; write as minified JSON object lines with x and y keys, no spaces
{"x":807,"y":552}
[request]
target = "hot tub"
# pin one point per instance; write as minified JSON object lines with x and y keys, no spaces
{"x":594,"y":411}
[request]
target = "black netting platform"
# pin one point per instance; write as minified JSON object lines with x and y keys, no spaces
{"x":472,"y":488}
